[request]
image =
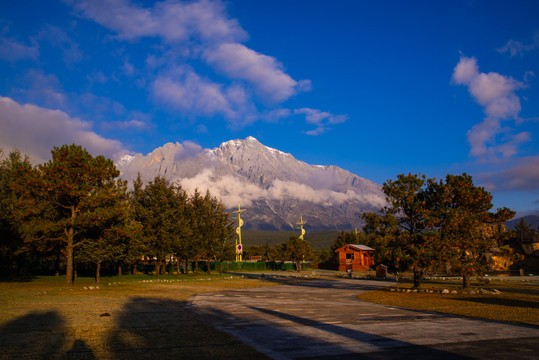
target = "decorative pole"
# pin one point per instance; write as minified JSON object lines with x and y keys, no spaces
{"x":301,"y":223}
{"x":239,"y":246}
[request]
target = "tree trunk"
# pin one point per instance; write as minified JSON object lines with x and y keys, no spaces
{"x":20,"y":264}
{"x":69,"y":248}
{"x":178,"y":267}
{"x":57,"y":265}
{"x":98,"y":272}
{"x":186,"y":266}
{"x":134,"y":264}
{"x":418,"y":274}
{"x":119,"y":269}
{"x":69,"y":257}
{"x":466,"y":280}
{"x":196,"y":266}
{"x":298,"y":266}
{"x":208,"y":264}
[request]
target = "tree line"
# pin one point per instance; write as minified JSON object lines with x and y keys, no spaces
{"x":427,"y":225}
{"x":75,"y":207}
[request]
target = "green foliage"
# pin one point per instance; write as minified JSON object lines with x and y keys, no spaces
{"x":74,"y":207}
{"x":467,"y":228}
{"x":318,"y":240}
{"x":190,"y":227}
{"x":113,"y":234}
{"x":428,"y":223}
{"x":297,"y":250}
{"x":59,"y":200}
{"x":402,"y":227}
{"x":11,"y":241}
{"x":524,"y":232}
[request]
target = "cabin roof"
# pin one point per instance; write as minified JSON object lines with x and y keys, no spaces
{"x":357,"y":247}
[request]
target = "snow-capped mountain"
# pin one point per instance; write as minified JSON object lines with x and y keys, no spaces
{"x":274,"y":187}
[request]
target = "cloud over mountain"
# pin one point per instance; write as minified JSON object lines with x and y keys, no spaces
{"x":273,"y":185}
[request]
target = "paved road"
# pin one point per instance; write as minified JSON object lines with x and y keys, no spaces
{"x":322,"y":319}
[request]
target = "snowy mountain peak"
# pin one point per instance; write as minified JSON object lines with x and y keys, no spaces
{"x":125,"y":160}
{"x":274,"y":186}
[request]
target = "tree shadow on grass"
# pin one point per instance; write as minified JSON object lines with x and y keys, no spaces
{"x":37,"y":333}
{"x":79,"y":351}
{"x":152,"y":328}
{"x":502,"y":302}
{"x":17,"y":279}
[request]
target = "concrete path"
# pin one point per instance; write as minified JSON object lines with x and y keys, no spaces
{"x":322,"y":319}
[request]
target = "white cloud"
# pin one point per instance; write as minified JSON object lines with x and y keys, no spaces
{"x":97,"y":77}
{"x":189,"y":92}
{"x":514,"y":47}
{"x":522,"y":176}
{"x":189,"y":149}
{"x":12,"y":50}
{"x":321,"y":119}
{"x":276,"y":114}
{"x":264,"y":72}
{"x":232,"y":190}
{"x":125,"y":125}
{"x":58,"y":38}
{"x":184,"y":90}
{"x":496,"y":93}
{"x":173,"y":21}
{"x":43,"y":89}
{"x":194,"y":31}
{"x":35,"y":130}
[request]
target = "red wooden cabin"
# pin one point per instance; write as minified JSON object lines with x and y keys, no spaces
{"x":355,"y":257}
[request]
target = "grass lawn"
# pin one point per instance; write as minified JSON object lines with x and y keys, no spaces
{"x":518,"y":302}
{"x":126,"y":318}
{"x":143,"y":317}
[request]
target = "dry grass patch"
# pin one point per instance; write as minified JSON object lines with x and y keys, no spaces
{"x":517,"y":302}
{"x":130,"y":319}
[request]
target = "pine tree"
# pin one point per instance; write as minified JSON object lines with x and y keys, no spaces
{"x":110,"y":228}
{"x":58,"y":199}
{"x":403,"y":225}
{"x":12,"y":246}
{"x":467,"y":228}
{"x":297,"y":250}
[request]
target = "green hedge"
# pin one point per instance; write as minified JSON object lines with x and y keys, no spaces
{"x":258,"y":266}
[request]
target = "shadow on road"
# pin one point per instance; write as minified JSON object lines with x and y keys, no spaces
{"x":388,"y":347}
{"x":153,"y":328}
{"x":323,"y":282}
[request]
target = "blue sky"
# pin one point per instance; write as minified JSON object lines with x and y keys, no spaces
{"x":376,"y":87}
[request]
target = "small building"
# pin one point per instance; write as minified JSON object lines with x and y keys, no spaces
{"x":355,"y":257}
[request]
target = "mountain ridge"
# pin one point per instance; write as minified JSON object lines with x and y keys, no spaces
{"x":275,"y":187}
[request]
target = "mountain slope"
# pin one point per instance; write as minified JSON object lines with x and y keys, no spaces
{"x":274,"y":187}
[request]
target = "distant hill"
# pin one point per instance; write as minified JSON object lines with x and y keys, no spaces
{"x":532,"y":220}
{"x":321,"y":240}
